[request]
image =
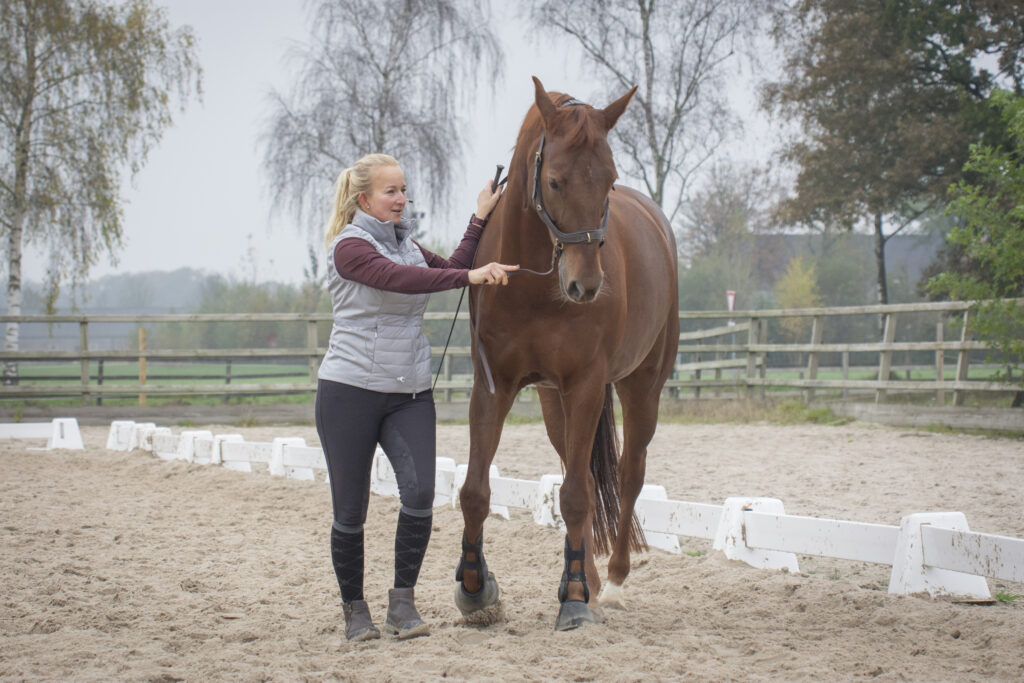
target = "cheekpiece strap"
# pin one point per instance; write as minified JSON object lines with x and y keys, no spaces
{"x":581,"y":237}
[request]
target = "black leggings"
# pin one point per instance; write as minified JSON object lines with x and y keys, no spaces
{"x":351,"y":422}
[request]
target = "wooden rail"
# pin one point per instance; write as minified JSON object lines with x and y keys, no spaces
{"x":732,"y":353}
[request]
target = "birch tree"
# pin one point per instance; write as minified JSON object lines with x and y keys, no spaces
{"x":85,"y":92}
{"x":389,"y":76}
{"x":678,"y":53}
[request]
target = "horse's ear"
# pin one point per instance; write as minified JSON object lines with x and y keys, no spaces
{"x":544,"y":103}
{"x":614,"y":110}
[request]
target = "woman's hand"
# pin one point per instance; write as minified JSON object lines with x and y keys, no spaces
{"x":491,"y":274}
{"x":487,"y":199}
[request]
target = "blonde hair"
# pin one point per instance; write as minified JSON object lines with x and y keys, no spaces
{"x":352,"y":182}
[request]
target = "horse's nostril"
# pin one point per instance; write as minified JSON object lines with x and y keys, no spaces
{"x":574,"y":290}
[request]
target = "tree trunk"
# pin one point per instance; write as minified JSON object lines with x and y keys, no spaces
{"x":10,"y":375}
{"x":883,"y":290}
{"x":22,"y":148}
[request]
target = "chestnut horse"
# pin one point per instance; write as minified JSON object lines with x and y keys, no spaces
{"x":604,"y":313}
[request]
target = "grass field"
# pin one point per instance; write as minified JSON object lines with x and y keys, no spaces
{"x":214,"y":374}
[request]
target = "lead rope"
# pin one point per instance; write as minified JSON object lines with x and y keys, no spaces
{"x":555,"y":254}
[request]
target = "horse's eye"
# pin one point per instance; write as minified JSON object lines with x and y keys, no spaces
{"x":553,"y":184}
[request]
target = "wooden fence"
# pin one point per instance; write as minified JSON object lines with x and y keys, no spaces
{"x":745,"y":353}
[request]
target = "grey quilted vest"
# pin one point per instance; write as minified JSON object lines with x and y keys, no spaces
{"x":377,"y":341}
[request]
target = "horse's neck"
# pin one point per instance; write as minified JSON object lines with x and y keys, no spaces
{"x":523,"y":237}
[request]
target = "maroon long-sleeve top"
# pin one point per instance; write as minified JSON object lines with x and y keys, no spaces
{"x":358,"y":261}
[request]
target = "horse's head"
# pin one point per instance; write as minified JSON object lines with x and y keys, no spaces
{"x":573,"y":175}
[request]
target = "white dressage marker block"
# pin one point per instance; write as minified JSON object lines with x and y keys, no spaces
{"x":165,"y":444}
{"x":218,"y":441}
{"x":382,"y":476}
{"x":202,"y":450}
{"x":276,"y":464}
{"x":187,"y":443}
{"x":138,"y":435}
{"x":65,"y":434}
{"x":120,"y":435}
{"x":910,"y":574}
{"x":546,"y":510}
{"x":460,"y":478}
{"x":666,"y":542}
{"x":444,"y":482}
{"x":731,"y":538}
{"x":143,"y":434}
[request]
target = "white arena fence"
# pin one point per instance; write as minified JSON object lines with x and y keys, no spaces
{"x":932,"y":552}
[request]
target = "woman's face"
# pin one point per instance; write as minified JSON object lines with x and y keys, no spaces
{"x":386,"y":198}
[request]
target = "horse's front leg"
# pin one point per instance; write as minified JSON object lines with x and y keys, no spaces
{"x":477,"y":588}
{"x":582,"y":408}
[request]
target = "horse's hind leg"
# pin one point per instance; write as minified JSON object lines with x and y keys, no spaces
{"x":639,"y":395}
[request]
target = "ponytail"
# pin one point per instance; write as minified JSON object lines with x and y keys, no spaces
{"x":352,"y":182}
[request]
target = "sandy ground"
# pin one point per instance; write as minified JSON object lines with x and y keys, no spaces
{"x":123,"y":566}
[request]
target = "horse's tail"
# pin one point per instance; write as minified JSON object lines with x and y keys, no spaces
{"x":604,"y":466}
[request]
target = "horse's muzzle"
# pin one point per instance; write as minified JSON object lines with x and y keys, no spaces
{"x":581,"y":293}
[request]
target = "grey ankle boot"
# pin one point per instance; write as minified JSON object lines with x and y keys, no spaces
{"x":358,"y":624}
{"x":403,"y":619}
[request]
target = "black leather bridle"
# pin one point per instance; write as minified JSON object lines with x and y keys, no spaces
{"x":562,"y":238}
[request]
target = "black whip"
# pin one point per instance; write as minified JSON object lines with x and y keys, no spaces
{"x":494,"y":188}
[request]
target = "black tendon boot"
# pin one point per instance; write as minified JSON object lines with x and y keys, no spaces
{"x":347,"y":558}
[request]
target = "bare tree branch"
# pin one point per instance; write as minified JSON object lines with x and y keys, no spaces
{"x":677,"y":53}
{"x":386,"y":77}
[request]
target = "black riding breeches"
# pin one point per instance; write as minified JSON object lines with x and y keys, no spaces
{"x":351,"y":422}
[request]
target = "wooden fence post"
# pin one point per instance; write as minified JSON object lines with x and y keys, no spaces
{"x":885,"y":355}
{"x":752,"y":334}
{"x":83,"y":340}
{"x":718,"y":375}
{"x":962,"y":360}
{"x":142,"y":365}
{"x":812,"y":357}
{"x":313,"y":356}
{"x":846,"y":372}
{"x":940,"y":366}
{"x":762,"y":335}
{"x":99,"y":381}
{"x":227,"y":380}
{"x":696,"y":376}
{"x":447,"y":377}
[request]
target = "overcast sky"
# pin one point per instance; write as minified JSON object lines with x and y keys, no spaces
{"x":201,"y":200}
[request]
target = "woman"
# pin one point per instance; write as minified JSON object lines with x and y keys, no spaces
{"x":374,"y":381}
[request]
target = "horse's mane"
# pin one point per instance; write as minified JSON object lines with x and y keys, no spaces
{"x":575,"y":126}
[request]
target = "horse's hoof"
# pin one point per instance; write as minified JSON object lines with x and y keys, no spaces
{"x":612,"y":596}
{"x":474,"y":602}
{"x":573,"y":614}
